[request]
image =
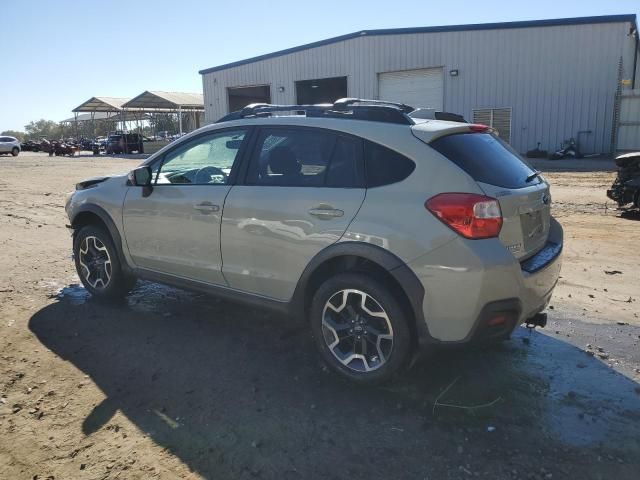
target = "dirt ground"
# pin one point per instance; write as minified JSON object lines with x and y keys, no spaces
{"x":170,"y":384}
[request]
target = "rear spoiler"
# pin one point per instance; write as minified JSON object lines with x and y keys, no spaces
{"x":432,"y":114}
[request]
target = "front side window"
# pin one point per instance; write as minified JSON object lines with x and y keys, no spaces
{"x":305,"y":158}
{"x":206,"y":160}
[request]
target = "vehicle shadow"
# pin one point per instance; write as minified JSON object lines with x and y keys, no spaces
{"x":234,"y":392}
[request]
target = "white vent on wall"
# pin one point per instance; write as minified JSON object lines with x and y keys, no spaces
{"x":498,"y":118}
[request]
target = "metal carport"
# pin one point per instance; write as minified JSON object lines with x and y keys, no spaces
{"x":153,"y":102}
{"x":79,"y":120}
{"x":106,"y":109}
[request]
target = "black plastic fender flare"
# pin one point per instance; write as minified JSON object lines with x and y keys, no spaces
{"x":399,"y":270}
{"x":111,"y":227}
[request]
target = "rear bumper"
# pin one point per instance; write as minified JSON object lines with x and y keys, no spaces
{"x":470,"y":284}
{"x":540,"y":275}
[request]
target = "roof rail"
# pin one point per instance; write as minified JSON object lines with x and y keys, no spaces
{"x":352,"y":108}
{"x":343,"y":103}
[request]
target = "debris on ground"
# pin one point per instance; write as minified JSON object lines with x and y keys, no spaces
{"x":218,"y":415}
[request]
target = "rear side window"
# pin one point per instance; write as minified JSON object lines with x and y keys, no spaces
{"x":384,"y":166}
{"x":345,"y":170}
{"x":486,"y":159}
{"x":305,"y":157}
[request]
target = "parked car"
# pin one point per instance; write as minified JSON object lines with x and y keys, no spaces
{"x":9,"y":145}
{"x":387,"y":233}
{"x":625,"y":190}
{"x":99,"y":145}
{"x":86,"y":144}
{"x":30,"y":146}
{"x":124,"y":143}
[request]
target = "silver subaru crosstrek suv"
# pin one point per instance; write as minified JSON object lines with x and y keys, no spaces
{"x":388,"y":230}
{"x":10,"y":145}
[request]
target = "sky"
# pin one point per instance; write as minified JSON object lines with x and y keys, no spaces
{"x":57,"y":54}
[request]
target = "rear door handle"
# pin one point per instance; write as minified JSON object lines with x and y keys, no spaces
{"x":207,"y":207}
{"x":326,"y":212}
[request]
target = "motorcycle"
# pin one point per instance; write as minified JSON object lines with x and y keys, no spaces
{"x":568,"y":149}
{"x":626,"y":187}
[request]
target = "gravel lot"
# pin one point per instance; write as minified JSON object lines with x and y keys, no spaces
{"x":170,"y":384}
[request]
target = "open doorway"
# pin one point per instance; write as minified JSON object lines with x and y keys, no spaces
{"x":240,"y":97}
{"x":323,"y":90}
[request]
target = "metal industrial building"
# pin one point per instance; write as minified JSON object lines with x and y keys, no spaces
{"x":536,"y":81}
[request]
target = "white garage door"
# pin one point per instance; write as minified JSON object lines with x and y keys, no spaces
{"x":418,"y":88}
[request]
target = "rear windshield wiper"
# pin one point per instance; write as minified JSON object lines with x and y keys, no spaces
{"x":533,"y":175}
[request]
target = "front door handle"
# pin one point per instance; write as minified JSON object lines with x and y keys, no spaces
{"x":207,"y":207}
{"x":325,"y":212}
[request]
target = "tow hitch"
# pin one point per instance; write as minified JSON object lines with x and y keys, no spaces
{"x":538,"y":320}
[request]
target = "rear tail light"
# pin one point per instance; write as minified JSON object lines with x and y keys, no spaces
{"x":472,"y":216}
{"x":478,"y":128}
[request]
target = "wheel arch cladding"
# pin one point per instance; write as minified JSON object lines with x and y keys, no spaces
{"x":94,"y":215}
{"x":372,"y":260}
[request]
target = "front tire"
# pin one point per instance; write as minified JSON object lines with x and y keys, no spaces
{"x":360,"y":329}
{"x":15,"y":151}
{"x":98,"y":264}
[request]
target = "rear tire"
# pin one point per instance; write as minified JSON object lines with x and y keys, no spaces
{"x":98,"y":264}
{"x":360,"y":329}
{"x":15,"y":151}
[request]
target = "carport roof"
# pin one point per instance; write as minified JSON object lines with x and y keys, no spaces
{"x":86,"y":117}
{"x":99,"y":116}
{"x":101,"y":104}
{"x":155,"y":100}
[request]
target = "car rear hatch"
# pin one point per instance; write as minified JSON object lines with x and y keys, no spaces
{"x":501,"y":173}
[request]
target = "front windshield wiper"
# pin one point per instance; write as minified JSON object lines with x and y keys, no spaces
{"x":532,"y":176}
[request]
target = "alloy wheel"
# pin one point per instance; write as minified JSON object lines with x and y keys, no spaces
{"x":357,"y":330}
{"x":95,"y":261}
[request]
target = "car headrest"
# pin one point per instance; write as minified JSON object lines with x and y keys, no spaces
{"x":283,"y":161}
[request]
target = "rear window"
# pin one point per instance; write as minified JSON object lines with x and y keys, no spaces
{"x":486,"y":159}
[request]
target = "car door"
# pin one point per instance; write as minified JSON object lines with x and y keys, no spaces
{"x":176,"y":228}
{"x":302,"y":188}
{"x":4,"y":145}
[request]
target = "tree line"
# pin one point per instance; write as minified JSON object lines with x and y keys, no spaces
{"x":35,"y":130}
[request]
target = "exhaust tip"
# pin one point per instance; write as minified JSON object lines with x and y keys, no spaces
{"x":538,"y":320}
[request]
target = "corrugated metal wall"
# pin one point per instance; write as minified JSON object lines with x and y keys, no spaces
{"x":557,"y":80}
{"x":629,"y":126}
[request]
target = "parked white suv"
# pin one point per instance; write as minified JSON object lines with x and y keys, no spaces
{"x":385,"y":229}
{"x":9,"y":145}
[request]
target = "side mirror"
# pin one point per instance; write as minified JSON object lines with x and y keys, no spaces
{"x":140,"y":177}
